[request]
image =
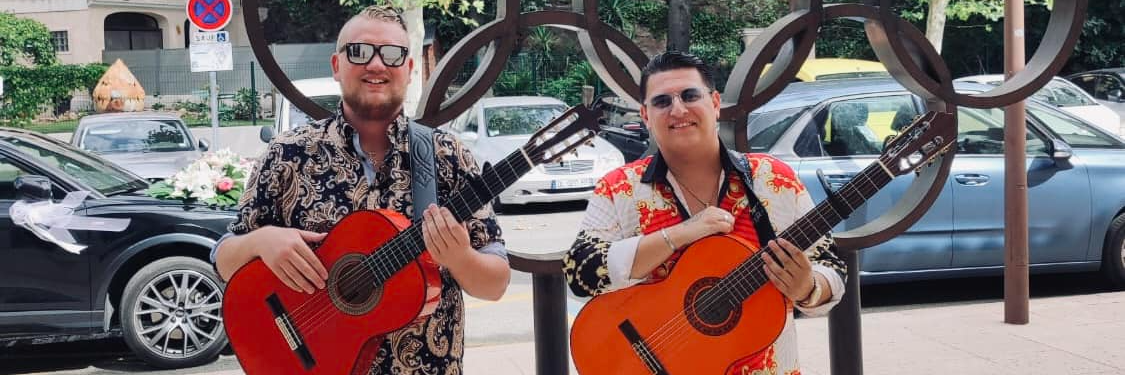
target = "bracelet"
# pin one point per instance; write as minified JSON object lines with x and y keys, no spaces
{"x":667,"y":240}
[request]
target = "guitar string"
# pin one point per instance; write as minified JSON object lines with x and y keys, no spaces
{"x":665,"y":331}
{"x":757,"y":274}
{"x":674,"y":326}
{"x":363,"y":277}
{"x":355,"y":276}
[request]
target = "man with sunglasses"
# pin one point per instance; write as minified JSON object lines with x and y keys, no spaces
{"x":360,"y":159}
{"x":644,"y":214}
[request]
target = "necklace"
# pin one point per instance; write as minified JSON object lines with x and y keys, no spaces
{"x":692,"y":194}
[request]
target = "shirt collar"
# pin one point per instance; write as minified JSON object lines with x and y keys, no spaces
{"x":657,"y":170}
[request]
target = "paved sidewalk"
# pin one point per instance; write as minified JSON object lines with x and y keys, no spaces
{"x":1074,"y":335}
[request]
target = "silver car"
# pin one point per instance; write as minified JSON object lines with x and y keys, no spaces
{"x":153,"y":145}
{"x":496,"y":127}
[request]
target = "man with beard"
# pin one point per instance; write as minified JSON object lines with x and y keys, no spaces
{"x":644,"y":214}
{"x":359,"y":159}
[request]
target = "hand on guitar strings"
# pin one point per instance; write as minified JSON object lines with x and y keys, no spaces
{"x":794,"y":275}
{"x":286,"y":252}
{"x":446,"y":239}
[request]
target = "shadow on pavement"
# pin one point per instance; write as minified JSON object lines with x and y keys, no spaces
{"x":975,"y":290}
{"x":543,"y":208}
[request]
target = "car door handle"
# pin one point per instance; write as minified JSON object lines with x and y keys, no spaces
{"x":835,"y":181}
{"x":971,"y":179}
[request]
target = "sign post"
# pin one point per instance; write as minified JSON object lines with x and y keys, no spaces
{"x":210,"y":49}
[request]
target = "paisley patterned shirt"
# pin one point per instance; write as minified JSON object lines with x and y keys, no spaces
{"x":642,"y":197}
{"x":313,"y":176}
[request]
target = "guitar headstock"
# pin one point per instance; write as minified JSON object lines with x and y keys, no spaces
{"x":929,"y":136}
{"x":577,"y":126}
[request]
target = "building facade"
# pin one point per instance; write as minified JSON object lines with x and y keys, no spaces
{"x":83,"y":29}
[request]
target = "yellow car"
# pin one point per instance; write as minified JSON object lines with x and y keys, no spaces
{"x":834,"y":68}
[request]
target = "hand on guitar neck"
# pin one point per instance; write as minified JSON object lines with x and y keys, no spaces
{"x":653,"y":249}
{"x":794,"y":276}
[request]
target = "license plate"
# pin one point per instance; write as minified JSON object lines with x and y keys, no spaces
{"x":573,"y":183}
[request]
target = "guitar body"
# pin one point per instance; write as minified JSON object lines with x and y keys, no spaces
{"x":276,"y":330}
{"x":666,"y":323}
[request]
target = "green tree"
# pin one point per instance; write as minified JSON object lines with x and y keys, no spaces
{"x":25,"y":39}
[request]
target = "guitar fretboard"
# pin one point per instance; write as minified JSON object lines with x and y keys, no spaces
{"x":745,"y":279}
{"x":405,"y":247}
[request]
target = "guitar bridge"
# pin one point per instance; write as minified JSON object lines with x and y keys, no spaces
{"x":289,"y":332}
{"x":641,"y":348}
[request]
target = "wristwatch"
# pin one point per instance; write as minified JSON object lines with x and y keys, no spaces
{"x":813,"y":297}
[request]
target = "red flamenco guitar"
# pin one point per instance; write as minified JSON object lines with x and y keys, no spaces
{"x":717,"y":306}
{"x":380,"y":278}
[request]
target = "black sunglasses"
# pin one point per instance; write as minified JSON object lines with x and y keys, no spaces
{"x":362,"y":53}
{"x":690,"y":95}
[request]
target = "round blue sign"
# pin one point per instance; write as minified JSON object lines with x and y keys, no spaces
{"x":209,"y":15}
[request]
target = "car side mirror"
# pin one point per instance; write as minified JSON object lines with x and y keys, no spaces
{"x":204,"y":145}
{"x":1115,"y":95}
{"x":1060,"y":151}
{"x":33,"y":187}
{"x":266,"y":134}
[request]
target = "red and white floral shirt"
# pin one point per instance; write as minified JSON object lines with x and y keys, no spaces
{"x":642,"y":197}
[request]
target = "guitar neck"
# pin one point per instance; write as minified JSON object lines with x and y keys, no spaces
{"x":408,"y":245}
{"x":745,"y":279}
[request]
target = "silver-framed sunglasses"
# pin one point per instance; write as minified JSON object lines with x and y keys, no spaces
{"x":362,"y":53}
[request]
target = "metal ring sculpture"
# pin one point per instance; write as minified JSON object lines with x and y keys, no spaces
{"x":909,"y":57}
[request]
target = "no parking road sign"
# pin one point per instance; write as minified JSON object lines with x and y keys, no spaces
{"x":209,"y":15}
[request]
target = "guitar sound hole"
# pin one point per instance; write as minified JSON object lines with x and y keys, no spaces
{"x":351,"y":286}
{"x":709,"y":310}
{"x":355,"y":288}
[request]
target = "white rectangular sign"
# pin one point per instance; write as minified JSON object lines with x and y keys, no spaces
{"x":210,"y":37}
{"x":210,"y":57}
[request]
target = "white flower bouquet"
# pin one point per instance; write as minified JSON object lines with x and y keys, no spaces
{"x":216,"y":179}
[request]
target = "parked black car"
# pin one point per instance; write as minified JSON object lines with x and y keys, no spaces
{"x":151,"y":283}
{"x":623,"y":128}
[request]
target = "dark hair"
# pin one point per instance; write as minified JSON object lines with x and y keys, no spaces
{"x":673,"y":60}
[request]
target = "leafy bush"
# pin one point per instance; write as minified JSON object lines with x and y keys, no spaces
{"x":245,"y":104}
{"x":28,"y":90}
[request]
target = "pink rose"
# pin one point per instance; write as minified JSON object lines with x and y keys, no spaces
{"x":224,"y":185}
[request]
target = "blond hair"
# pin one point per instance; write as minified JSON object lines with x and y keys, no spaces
{"x":384,"y":13}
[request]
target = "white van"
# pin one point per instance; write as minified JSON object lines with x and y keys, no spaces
{"x":322,"y":91}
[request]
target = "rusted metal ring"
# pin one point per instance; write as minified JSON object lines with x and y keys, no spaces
{"x":502,"y":35}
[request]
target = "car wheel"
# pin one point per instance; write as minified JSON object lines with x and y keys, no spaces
{"x":1113,"y":260}
{"x":171,"y":313}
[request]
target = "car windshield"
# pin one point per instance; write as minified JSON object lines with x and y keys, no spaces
{"x":136,"y":136}
{"x":502,"y":121}
{"x":850,"y":75}
{"x":299,"y":118}
{"x":1060,"y":94}
{"x":766,"y":128}
{"x":103,"y":176}
{"x":1076,"y":133}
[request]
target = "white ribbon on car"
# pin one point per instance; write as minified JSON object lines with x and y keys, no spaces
{"x":52,"y":222}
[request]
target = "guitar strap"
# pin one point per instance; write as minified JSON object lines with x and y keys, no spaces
{"x":423,"y":183}
{"x":758,"y":213}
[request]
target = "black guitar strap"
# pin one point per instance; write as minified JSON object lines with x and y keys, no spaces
{"x":757,"y":211}
{"x":423,"y":183}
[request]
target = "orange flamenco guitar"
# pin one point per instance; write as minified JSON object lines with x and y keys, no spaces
{"x":379,"y":276}
{"x":717,"y":305}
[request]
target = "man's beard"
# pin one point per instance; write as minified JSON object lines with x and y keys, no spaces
{"x":373,"y":108}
